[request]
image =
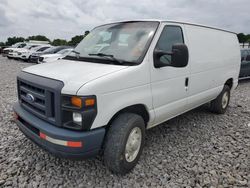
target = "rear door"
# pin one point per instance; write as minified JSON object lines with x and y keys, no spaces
{"x":169,"y":84}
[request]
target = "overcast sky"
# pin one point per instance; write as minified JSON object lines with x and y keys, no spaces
{"x":67,"y":18}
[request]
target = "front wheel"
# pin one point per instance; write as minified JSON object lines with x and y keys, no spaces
{"x":220,"y":104}
{"x":124,"y":143}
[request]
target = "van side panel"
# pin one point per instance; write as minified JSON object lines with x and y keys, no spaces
{"x":214,"y":58}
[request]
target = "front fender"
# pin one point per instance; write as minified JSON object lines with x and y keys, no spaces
{"x":111,"y":103}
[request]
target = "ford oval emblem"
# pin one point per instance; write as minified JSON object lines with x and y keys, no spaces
{"x":30,"y":97}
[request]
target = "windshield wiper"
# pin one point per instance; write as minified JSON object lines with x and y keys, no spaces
{"x":75,"y":52}
{"x":107,"y":55}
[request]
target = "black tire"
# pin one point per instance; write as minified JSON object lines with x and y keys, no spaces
{"x":29,"y":59}
{"x":217,"y":105}
{"x":116,"y":140}
{"x":26,"y":60}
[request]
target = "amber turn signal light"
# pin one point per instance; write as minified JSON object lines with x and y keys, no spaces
{"x":89,"y":102}
{"x":76,"y":101}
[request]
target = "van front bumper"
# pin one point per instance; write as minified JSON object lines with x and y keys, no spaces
{"x":38,"y":130}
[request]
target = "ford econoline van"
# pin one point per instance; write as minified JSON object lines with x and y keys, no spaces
{"x":122,"y":79}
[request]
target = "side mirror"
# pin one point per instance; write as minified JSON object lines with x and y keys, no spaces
{"x":248,"y":58}
{"x":179,"y":56}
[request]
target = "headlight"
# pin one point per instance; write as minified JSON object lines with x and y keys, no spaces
{"x":78,"y":113}
{"x":77,"y":118}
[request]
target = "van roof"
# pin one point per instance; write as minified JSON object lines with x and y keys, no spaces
{"x":177,"y":22}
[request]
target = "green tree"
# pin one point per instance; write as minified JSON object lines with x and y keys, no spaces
{"x":2,"y":44}
{"x":38,"y":37}
{"x":242,"y":37}
{"x":248,"y":38}
{"x":77,"y":39}
{"x":86,"y":33}
{"x":59,"y":42}
{"x":12,"y":40}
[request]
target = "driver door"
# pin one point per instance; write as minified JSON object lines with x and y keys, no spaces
{"x":169,"y":84}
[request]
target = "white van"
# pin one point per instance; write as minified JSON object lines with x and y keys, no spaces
{"x":122,"y":79}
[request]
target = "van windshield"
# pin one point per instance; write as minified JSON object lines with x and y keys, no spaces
{"x":122,"y":42}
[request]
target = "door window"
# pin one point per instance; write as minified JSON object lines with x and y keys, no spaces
{"x":43,"y":48}
{"x":169,"y":36}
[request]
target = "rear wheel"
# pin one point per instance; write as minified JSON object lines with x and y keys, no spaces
{"x":220,"y":104}
{"x":124,"y":143}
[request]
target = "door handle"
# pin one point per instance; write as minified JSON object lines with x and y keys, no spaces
{"x":186,"y":82}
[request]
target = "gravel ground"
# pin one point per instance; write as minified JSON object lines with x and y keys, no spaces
{"x":197,"y":149}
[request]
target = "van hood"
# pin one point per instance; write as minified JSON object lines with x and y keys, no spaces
{"x":74,"y":74}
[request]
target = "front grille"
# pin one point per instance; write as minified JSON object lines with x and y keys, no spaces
{"x":40,"y":96}
{"x":42,"y":102}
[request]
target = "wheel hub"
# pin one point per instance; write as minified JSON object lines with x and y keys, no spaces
{"x":133,"y":144}
{"x":225,"y":99}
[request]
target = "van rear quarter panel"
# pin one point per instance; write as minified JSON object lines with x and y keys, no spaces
{"x":214,"y":56}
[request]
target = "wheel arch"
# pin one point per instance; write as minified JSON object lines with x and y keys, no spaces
{"x":229,"y":83}
{"x":139,"y":109}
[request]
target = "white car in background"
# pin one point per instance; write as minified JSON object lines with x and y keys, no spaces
{"x":22,"y":45}
{"x":47,"y":58}
{"x":26,"y":53}
{"x":14,"y":53}
{"x":13,"y":47}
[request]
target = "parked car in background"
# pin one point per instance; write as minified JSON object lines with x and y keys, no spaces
{"x":14,"y":53}
{"x":244,"y":53}
{"x":25,"y":54}
{"x":54,"y":49}
{"x":6,"y":51}
{"x":2,"y":48}
{"x":245,"y":64}
{"x":47,"y":58}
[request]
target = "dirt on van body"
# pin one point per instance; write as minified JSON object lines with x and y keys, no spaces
{"x":197,"y":149}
